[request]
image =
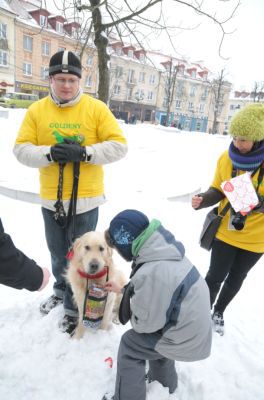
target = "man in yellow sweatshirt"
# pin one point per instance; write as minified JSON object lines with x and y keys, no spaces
{"x":60,"y":133}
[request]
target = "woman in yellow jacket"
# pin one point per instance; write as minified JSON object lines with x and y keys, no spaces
{"x":239,"y":242}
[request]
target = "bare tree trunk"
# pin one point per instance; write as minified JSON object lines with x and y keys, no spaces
{"x":171,"y":89}
{"x":217,"y":93}
{"x":101,"y":43}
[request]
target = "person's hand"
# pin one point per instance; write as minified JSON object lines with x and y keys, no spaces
{"x":196,"y":201}
{"x":64,"y":152}
{"x":112,"y":286}
{"x":46,"y":276}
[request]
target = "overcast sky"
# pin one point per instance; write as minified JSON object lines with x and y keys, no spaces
{"x":245,"y":63}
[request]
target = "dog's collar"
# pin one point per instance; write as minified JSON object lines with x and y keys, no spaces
{"x":93,"y":276}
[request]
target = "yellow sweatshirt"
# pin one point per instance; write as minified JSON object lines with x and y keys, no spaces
{"x":252,"y":236}
{"x":89,"y":121}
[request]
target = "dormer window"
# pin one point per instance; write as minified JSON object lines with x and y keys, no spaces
{"x":42,"y":20}
{"x":59,"y":27}
{"x":119,"y":51}
{"x":130,"y":53}
{"x":74,"y":33}
{"x":142,"y":57}
{"x":193,"y":73}
{"x":181,"y":69}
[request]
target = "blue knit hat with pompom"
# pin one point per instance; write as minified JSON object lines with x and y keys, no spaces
{"x":124,"y":228}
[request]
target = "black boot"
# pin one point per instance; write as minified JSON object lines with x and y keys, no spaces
{"x":68,"y":324}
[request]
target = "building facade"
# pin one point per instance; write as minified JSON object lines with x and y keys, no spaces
{"x":7,"y":48}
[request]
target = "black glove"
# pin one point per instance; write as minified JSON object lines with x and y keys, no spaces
{"x":68,"y":152}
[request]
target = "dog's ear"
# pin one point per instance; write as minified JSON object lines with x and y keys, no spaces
{"x":76,"y":245}
{"x":109,"y":253}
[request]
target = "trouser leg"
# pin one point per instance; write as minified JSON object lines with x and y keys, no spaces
{"x":222,"y":257}
{"x":133,"y":352}
{"x":242,"y":264}
{"x":163,"y":371}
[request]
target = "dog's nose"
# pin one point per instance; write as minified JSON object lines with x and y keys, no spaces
{"x":93,"y":266}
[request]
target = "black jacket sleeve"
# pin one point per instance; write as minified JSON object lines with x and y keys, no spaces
{"x":211,"y":197}
{"x":16,"y":269}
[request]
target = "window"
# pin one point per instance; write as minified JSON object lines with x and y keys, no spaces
{"x":89,"y":60}
{"x":179,"y":88}
{"x":27,"y":43}
{"x":150,"y":96}
{"x":181,"y":69}
{"x":141,"y":77}
{"x":130,"y":53}
{"x":118,"y":71}
{"x":3,"y":58}
{"x":204,"y":94}
{"x":142,"y":57}
{"x":117,"y":89}
{"x":42,"y":20}
{"x":45,"y":48}
{"x":140,"y":95}
{"x":193,"y":73}
{"x":129,"y":93}
{"x":119,"y":51}
{"x":178,"y":104}
{"x":152,"y":79}
{"x":74,"y":33}
{"x":3,"y":31}
{"x":44,"y":72}
{"x":190,"y":106}
{"x":201,"y":108}
{"x":198,"y":125}
{"x":165,"y":102}
{"x":130,"y":77}
{"x":193,"y":90}
{"x":59,"y":27}
{"x":27,"y":69}
{"x":88,"y":81}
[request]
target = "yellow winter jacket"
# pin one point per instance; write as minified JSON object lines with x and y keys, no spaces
{"x":252,"y":236}
{"x":47,"y":124}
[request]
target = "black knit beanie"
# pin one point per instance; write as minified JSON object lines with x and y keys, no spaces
{"x":65,"y":62}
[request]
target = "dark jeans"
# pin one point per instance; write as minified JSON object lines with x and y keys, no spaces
{"x":59,"y":241}
{"x":230,"y":265}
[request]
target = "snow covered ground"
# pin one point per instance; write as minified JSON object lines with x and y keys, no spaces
{"x":163,"y":166}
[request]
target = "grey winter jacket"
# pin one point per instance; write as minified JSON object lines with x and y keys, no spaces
{"x":171,"y":298}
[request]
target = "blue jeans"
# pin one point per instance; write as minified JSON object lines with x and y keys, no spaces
{"x":59,"y":241}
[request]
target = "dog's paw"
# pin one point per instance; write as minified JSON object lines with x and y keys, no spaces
{"x":78,"y":333}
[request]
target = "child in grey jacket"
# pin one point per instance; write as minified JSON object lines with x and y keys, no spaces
{"x":166,"y":300}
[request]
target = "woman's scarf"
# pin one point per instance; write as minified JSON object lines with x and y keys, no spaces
{"x":249,"y":161}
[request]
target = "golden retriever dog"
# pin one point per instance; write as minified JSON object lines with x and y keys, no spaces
{"x":92,"y":260}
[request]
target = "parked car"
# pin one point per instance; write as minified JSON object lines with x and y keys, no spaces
{"x":17,"y":100}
